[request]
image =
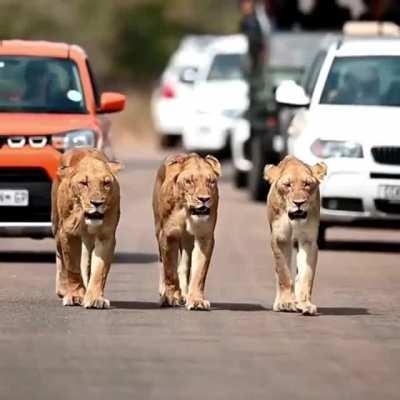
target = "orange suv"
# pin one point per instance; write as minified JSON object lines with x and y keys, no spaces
{"x":48,"y":104}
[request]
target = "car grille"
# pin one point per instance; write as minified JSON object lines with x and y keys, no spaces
{"x":386,"y":155}
{"x":38,"y":183}
{"x":387,"y":206}
{"x":15,"y":141}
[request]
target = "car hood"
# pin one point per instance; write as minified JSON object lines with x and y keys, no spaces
{"x":42,"y":124}
{"x":229,"y":95}
{"x":367,"y":125}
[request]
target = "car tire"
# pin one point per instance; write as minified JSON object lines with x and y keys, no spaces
{"x":168,"y":141}
{"x":322,"y":236}
{"x":258,"y":187}
{"x":239,"y":179}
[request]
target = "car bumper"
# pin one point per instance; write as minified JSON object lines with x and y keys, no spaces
{"x":26,"y":229}
{"x":207,"y":133}
{"x":355,"y":198}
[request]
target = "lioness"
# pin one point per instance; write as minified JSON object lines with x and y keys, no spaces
{"x":293,"y":208}
{"x":185,"y":202}
{"x":85,"y":214}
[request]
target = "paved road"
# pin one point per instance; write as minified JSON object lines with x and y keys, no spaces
{"x":239,"y":350}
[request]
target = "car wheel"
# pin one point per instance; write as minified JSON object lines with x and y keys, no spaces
{"x":167,"y":141}
{"x":322,"y":236}
{"x":239,"y":179}
{"x":258,"y":187}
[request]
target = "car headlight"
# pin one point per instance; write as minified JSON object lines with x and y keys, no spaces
{"x":79,"y":138}
{"x":336,"y":149}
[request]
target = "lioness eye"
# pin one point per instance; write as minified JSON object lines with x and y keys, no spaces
{"x":83,"y":183}
{"x":287,"y":185}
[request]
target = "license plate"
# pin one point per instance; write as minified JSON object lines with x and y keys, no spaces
{"x":390,"y":192}
{"x":16,"y":198}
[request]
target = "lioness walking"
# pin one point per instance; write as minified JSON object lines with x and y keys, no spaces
{"x":185,"y":202}
{"x":85,"y":214}
{"x":293,"y":209}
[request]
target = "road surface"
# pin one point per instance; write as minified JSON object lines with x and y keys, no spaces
{"x":239,"y":350}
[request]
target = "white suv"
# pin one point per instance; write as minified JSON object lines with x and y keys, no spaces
{"x":349,"y":119}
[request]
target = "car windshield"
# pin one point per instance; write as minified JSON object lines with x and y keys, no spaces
{"x":367,"y":81}
{"x":226,"y":67}
{"x":40,"y":85}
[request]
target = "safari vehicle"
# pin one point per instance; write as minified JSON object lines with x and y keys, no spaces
{"x":260,"y":138}
{"x":48,"y":104}
{"x":348,"y":118}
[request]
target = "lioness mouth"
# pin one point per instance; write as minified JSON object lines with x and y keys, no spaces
{"x":203,"y":210}
{"x":94,"y":216}
{"x":298,"y":214}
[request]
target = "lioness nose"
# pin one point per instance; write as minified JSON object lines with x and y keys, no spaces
{"x":204,"y":199}
{"x":298,"y":203}
{"x":97,"y":203}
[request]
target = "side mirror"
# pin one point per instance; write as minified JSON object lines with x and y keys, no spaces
{"x":291,"y":94}
{"x":188,"y":75}
{"x":111,"y":102}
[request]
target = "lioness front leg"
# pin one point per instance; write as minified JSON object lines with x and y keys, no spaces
{"x":100,"y":266}
{"x":68,"y":271}
{"x":282,"y":251}
{"x":306,"y":265}
{"x":201,"y":257}
{"x":184,"y":265}
{"x":169,"y":248}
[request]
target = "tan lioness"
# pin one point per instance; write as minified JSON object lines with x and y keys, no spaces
{"x":85,"y":215}
{"x":293,"y":208}
{"x":185,"y":202}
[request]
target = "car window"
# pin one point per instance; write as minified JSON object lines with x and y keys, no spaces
{"x":373,"y":81}
{"x":312,"y":76}
{"x":226,"y":67}
{"x":39,"y":84}
{"x":93,"y":81}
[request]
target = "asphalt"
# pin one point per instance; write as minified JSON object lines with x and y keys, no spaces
{"x":239,"y":350}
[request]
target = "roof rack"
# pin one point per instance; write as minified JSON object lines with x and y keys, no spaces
{"x":373,"y":28}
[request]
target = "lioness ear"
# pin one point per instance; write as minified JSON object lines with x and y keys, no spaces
{"x":215,"y":164}
{"x":115,"y":167}
{"x":176,"y":158}
{"x":271,"y":173}
{"x":319,"y":170}
{"x":63,"y":171}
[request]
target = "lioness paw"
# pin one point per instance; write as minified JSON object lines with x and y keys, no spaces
{"x":171,"y":298}
{"x":285,"y":306}
{"x":307,"y":308}
{"x":198,"y":304}
{"x":98,"y":303}
{"x":70,"y":300}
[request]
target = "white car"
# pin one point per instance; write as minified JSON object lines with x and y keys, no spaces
{"x":351,"y":100}
{"x":170,"y":98}
{"x":220,"y":95}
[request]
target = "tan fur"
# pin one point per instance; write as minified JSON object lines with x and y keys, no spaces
{"x":294,"y":189}
{"x":185,"y":240}
{"x":85,"y":246}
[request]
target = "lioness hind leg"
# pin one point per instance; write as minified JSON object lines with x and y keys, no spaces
{"x":306,"y":264}
{"x":284,"y":300}
{"x":100,"y":266}
{"x":172,"y":296}
{"x":201,"y":257}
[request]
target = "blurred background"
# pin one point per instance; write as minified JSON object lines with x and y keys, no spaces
{"x":130,"y":41}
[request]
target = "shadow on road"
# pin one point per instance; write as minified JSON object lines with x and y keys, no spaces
{"x":46,"y":257}
{"x":238,"y":307}
{"x":363,"y":246}
{"x":135,"y":258}
{"x":135,"y":305}
{"x":28,"y":256}
{"x":343,"y":311}
{"x":145,"y":305}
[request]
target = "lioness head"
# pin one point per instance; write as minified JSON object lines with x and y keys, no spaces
{"x":93,"y":184}
{"x":297,"y":184}
{"x":197,"y":182}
